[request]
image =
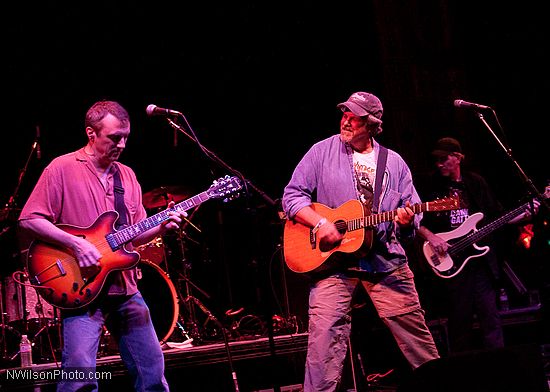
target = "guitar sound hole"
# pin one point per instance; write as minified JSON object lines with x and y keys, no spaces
{"x":341,"y":226}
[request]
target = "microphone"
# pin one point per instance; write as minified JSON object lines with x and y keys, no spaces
{"x":38,"y":151}
{"x":154,"y":110}
{"x":459,"y":103}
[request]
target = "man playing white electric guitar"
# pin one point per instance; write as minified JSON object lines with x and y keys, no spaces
{"x":454,"y":249}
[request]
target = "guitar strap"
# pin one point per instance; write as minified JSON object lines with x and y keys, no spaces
{"x":120,"y":207}
{"x":380,"y":169}
{"x":115,"y":282}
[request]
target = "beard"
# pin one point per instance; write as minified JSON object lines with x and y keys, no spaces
{"x":346,"y":136}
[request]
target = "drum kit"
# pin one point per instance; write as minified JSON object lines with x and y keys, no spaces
{"x":24,"y":312}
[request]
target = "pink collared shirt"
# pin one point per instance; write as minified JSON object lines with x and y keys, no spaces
{"x":70,"y":191}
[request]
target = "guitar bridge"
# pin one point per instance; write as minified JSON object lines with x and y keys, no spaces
{"x":312,"y":239}
{"x":36,"y":280}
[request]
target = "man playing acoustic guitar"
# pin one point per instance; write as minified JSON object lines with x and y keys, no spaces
{"x":347,"y":168}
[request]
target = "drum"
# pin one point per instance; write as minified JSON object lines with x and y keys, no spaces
{"x":161,"y":297}
{"x":152,"y":251}
{"x":22,"y":303}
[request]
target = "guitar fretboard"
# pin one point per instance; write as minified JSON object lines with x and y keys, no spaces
{"x":373,"y":220}
{"x":119,"y":238}
{"x":486,"y":230}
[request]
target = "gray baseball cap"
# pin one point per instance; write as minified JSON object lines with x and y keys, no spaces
{"x":362,"y":103}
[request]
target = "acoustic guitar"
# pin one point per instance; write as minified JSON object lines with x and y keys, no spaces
{"x":303,"y":251}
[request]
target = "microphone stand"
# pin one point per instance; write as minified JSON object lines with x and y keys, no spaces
{"x":508,"y":151}
{"x":210,"y":316}
{"x":11,"y":202}
{"x":533,"y":190}
{"x":247,"y":185}
{"x":5,"y":214}
{"x":219,"y":161}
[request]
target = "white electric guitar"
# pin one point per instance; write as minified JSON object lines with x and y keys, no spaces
{"x":462,"y":243}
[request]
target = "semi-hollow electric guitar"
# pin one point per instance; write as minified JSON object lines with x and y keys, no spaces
{"x":303,"y":251}
{"x":462,"y":243}
{"x":55,"y":273}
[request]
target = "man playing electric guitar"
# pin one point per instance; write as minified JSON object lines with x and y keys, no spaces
{"x":75,"y":189}
{"x":472,"y":285}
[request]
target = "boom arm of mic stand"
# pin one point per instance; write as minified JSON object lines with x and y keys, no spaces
{"x":218,"y":160}
{"x":508,"y":152}
{"x":11,"y":202}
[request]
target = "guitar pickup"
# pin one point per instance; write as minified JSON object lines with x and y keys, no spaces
{"x":60,"y":267}
{"x":435,"y":259}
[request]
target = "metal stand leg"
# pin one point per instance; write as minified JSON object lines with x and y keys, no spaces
{"x":3,"y":328}
{"x":514,"y":279}
{"x":46,"y":353}
{"x":190,"y":325}
{"x":190,"y":302}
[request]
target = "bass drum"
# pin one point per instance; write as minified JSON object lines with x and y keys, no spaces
{"x":161,"y":297}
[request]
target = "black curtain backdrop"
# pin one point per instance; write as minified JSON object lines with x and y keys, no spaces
{"x":258,"y":83}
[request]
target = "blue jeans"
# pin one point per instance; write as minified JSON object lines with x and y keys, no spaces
{"x":129,"y":321}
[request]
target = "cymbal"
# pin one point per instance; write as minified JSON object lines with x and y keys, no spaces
{"x":160,"y":197}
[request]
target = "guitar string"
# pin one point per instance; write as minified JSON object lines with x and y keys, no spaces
{"x":373,"y":220}
{"x":472,"y":238}
{"x":159,"y":218}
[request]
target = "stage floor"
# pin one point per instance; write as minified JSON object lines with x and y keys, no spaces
{"x":261,"y":364}
{"x":252,"y":365}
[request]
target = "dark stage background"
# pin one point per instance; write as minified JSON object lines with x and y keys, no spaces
{"x":258,"y":83}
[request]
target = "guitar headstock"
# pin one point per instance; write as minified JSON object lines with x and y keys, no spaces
{"x":226,"y":188}
{"x":445,"y":204}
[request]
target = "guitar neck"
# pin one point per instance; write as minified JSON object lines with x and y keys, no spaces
{"x":119,"y":238}
{"x":489,"y":228}
{"x":373,"y":220}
